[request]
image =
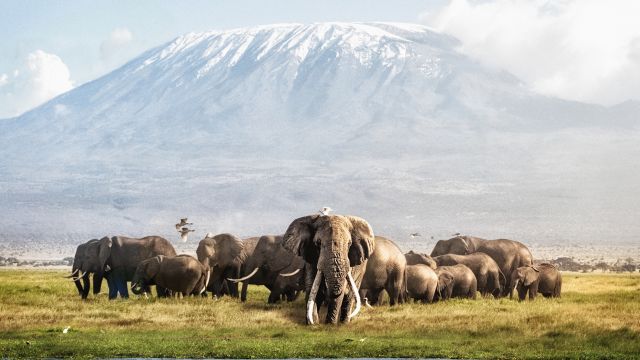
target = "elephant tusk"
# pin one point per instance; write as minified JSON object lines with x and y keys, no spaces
{"x":73,"y":273}
{"x":354,"y":289}
{"x":206,"y":283}
{"x":312,"y":296}
{"x":291,"y":273}
{"x":246,"y":277}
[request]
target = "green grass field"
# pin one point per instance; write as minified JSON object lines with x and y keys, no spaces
{"x":597,"y":317}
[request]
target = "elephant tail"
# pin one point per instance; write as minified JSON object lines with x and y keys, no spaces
{"x":404,"y":293}
{"x":558,"y":289}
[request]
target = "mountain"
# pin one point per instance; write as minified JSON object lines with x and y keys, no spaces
{"x":243,"y":130}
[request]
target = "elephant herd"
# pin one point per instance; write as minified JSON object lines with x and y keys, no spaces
{"x":336,"y":260}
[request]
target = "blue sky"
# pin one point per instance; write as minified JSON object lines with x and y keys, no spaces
{"x":585,"y":50}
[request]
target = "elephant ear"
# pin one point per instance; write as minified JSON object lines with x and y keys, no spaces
{"x":274,"y":256}
{"x":227,"y":248}
{"x":104,"y":251}
{"x":531,"y":276}
{"x":298,"y":238}
{"x":445,"y":279}
{"x":362,"y":240}
{"x":465,"y":242}
{"x":152,"y":266}
{"x":441,"y":247}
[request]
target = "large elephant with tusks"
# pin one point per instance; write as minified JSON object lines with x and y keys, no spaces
{"x":336,"y":249}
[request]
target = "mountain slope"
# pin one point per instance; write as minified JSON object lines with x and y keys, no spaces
{"x":248,"y":128}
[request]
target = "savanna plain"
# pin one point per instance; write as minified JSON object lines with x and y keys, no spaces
{"x":597,"y":317}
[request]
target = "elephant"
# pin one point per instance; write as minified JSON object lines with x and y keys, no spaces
{"x":385,"y":270}
{"x":485,"y":269}
{"x":422,"y":282}
{"x":86,"y":262}
{"x":336,"y":249}
{"x":121,"y":256}
{"x":414,"y":258}
{"x":464,"y":284}
{"x":543,"y":278}
{"x":445,"y":285}
{"x":508,"y":254}
{"x":226,"y":255}
{"x":276,"y":268}
{"x":182,"y":274}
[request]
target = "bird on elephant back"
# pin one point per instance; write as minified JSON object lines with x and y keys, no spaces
{"x":226,"y":256}
{"x":336,"y":249}
{"x":508,"y":254}
{"x":115,"y":259}
{"x":386,"y":271}
{"x":273,"y":266}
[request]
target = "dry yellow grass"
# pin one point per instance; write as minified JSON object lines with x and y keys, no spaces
{"x":598,"y":316}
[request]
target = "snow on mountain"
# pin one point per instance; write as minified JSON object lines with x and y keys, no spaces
{"x":245,"y":129}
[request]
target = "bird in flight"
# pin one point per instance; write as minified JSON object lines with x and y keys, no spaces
{"x":415,"y":235}
{"x":184,"y":233}
{"x":182,"y":223}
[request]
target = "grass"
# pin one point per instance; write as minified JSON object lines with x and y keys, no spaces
{"x":597,"y":317}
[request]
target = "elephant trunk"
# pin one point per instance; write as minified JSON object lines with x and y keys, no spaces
{"x":336,"y":276}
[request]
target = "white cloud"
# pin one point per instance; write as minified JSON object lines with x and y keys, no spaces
{"x":41,"y":77}
{"x":586,"y":50}
{"x":118,"y":39}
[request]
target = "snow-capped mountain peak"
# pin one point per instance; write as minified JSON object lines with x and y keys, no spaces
{"x":384,"y":120}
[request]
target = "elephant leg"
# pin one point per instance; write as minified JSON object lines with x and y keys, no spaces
{"x":121,"y":285}
{"x":86,"y":285}
{"x":113,"y":288}
{"x":274,"y":296}
{"x":161,"y":292}
{"x":373,"y":296}
{"x":393,"y":289}
{"x":533,"y":291}
{"x":243,"y":294}
{"x":97,"y":284}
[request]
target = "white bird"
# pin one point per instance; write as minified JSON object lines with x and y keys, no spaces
{"x":184,"y":233}
{"x":325,"y":211}
{"x":415,"y":235}
{"x":366,"y":303}
{"x":66,"y":330}
{"x":182,"y":223}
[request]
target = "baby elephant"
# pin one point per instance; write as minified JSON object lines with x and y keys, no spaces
{"x":543,"y":278}
{"x":422,"y":282}
{"x":464,"y":283}
{"x":181,"y":274}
